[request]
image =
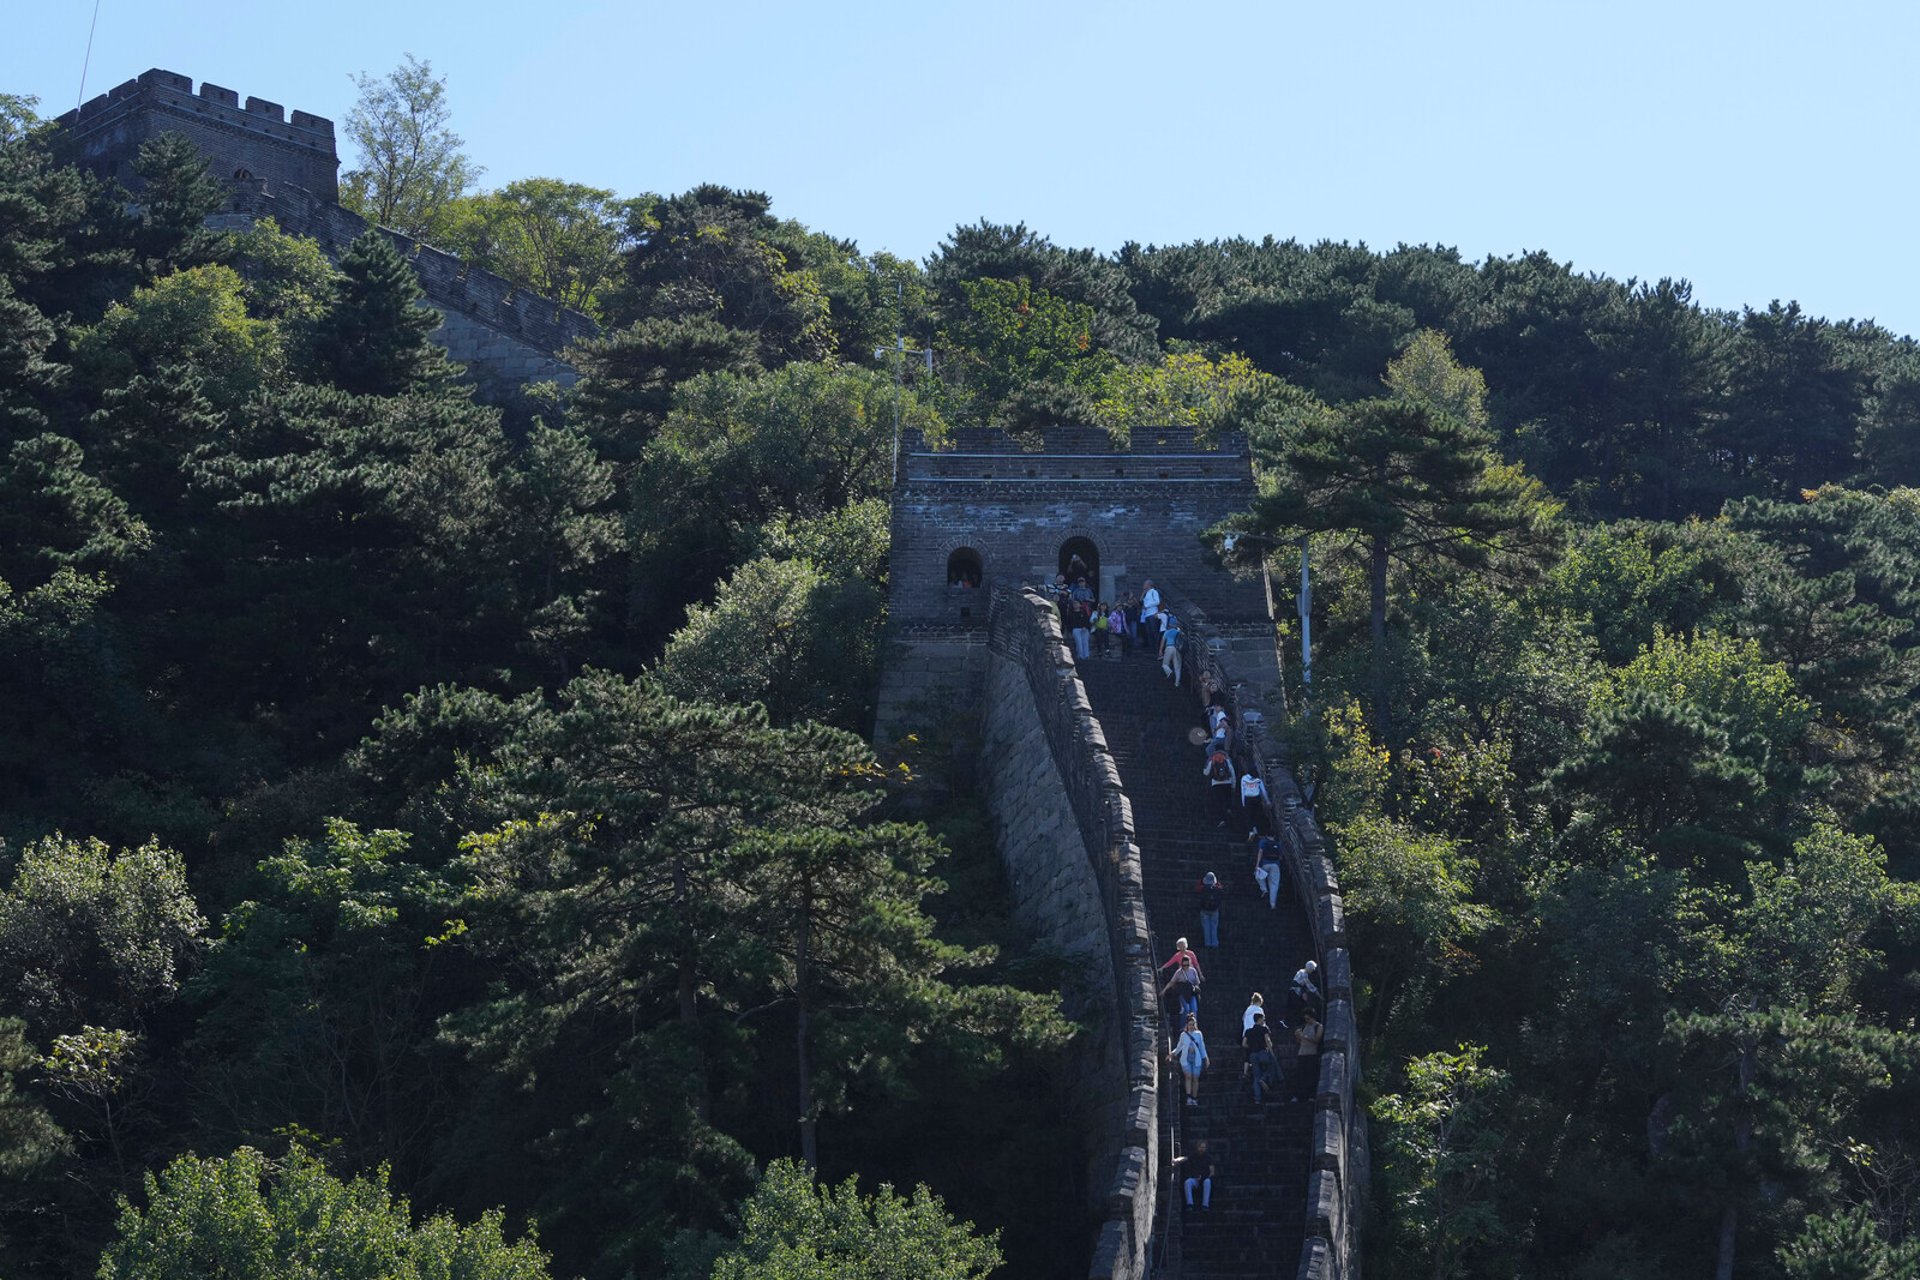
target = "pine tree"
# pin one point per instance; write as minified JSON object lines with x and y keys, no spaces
{"x":1412,"y":481}
{"x":175,"y":194}
{"x":373,"y":339}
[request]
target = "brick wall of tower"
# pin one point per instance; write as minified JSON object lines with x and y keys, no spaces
{"x":1143,"y":508}
{"x":256,"y":136}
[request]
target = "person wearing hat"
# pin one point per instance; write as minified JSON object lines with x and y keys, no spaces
{"x":1210,"y":890}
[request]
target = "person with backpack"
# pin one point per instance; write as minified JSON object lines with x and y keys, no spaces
{"x":1218,"y":771}
{"x":1117,"y":626}
{"x":1190,"y":1051}
{"x":1210,"y":890}
{"x":1170,"y":648}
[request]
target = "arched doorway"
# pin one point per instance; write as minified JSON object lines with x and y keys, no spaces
{"x":964,"y":568}
{"x":1079,"y":558}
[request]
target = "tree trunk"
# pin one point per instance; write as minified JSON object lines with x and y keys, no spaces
{"x":1742,"y":1141}
{"x":687,"y":994}
{"x":1729,"y":1227}
{"x":809,"y":1138}
{"x":1377,"y":573}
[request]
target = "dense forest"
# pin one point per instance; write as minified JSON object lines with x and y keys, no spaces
{"x":444,"y":845}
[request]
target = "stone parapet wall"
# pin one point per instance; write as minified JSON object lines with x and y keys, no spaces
{"x":933,"y":674}
{"x":1076,"y":454}
{"x":1066,"y":829}
{"x":1244,"y":667}
{"x":484,"y":298}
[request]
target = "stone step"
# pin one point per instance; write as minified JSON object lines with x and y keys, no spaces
{"x":1260,"y":1153}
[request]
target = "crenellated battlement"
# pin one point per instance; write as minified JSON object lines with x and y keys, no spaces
{"x":285,"y":167}
{"x":254,"y":139}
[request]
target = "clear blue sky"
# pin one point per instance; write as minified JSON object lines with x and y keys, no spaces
{"x":1760,"y":150}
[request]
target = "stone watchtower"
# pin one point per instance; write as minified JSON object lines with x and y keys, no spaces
{"x":286,"y":168}
{"x":990,"y":512}
{"x":255,"y":142}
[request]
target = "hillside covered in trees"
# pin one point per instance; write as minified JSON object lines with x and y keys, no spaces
{"x":457,"y":848}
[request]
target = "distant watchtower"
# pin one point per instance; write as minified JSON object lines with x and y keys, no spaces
{"x":989,"y":512}
{"x":257,"y":141}
{"x":285,"y":168}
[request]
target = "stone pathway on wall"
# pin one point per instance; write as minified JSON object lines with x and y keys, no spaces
{"x":1260,"y":1154}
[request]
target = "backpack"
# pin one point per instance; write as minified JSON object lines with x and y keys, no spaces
{"x":1219,"y":768}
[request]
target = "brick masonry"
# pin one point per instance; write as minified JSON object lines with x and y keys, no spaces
{"x":1226,"y":658}
{"x":285,"y":169}
{"x":257,"y":138}
{"x":1066,"y":838}
{"x":1064,"y":823}
{"x":1142,"y":508}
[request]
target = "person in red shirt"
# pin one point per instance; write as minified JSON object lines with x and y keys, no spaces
{"x":1182,"y":952}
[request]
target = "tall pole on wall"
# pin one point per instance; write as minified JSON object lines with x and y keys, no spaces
{"x":1306,"y":619}
{"x":900,"y":350}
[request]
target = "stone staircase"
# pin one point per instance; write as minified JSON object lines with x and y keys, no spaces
{"x":1260,"y":1154}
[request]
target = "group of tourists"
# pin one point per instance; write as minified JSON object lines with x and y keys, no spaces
{"x":1238,"y":796}
{"x":1257,"y":1034}
{"x":1130,"y":623}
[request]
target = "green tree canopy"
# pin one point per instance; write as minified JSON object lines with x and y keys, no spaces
{"x":793,"y":1229}
{"x":411,"y":168}
{"x":244,"y":1217}
{"x":91,"y":934}
{"x":1409,"y":482}
{"x":561,"y":240}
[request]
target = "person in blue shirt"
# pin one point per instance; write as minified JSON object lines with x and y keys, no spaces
{"x":1170,"y":648}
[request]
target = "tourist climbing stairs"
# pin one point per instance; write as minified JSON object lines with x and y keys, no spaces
{"x":1260,"y":1154}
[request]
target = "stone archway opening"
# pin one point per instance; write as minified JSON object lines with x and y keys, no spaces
{"x":965,"y":568}
{"x":1079,"y":558}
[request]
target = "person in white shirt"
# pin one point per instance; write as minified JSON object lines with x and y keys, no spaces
{"x":1253,"y":800}
{"x":1256,"y":1003}
{"x":1303,"y":994}
{"x":1150,"y":619}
